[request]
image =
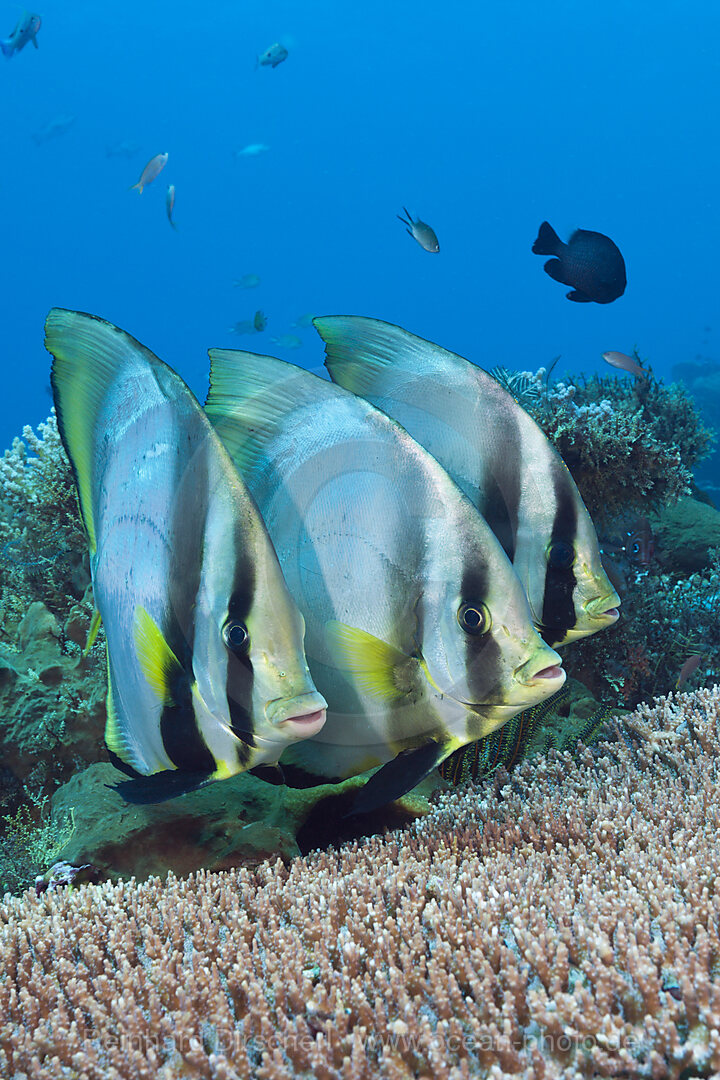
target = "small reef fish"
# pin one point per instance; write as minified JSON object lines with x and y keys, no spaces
{"x":640,"y":543}
{"x":247,"y":281}
{"x":244,"y":326}
{"x":624,"y":362}
{"x":207,"y":675}
{"x":287,"y":341}
{"x":122,"y":149}
{"x":590,"y":262}
{"x":421,"y":232}
{"x":53,"y":128}
{"x":152,"y":170}
{"x":272,"y":56}
{"x":170,"y":204}
{"x":688,"y":669}
{"x":506,"y":465}
{"x":303,"y":321}
{"x":25,"y":31}
{"x":418,"y":631}
{"x":259,"y":321}
{"x":252,"y":150}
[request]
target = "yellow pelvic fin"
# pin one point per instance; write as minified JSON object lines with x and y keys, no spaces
{"x":93,"y":631}
{"x":365,"y":660}
{"x":426,"y":672}
{"x":157,"y":659}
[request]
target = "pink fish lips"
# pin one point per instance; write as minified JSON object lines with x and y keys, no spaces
{"x":305,"y":724}
{"x":553,"y":672}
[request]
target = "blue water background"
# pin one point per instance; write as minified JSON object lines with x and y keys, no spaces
{"x":483,"y":119}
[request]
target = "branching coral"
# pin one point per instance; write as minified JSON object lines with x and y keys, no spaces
{"x":43,"y":550}
{"x":630,"y":445}
{"x":564,"y":923}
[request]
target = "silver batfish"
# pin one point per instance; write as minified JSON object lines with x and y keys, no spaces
{"x":497,"y":455}
{"x":207,"y":676}
{"x":418,"y":631}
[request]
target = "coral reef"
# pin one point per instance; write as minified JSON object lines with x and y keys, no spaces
{"x":629,"y":444}
{"x":562,"y":922}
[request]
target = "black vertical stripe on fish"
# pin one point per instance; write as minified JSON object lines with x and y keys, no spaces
{"x":558,"y":611}
{"x":181,"y":737}
{"x":483,"y":656}
{"x":499,"y":501}
{"x":239,"y":683}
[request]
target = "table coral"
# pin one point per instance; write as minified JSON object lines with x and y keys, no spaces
{"x":564,"y":922}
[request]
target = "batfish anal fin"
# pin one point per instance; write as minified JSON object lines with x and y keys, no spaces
{"x":365,"y":660}
{"x":400,"y":775}
{"x":118,"y":740}
{"x":161,"y":786}
{"x":579,"y":297}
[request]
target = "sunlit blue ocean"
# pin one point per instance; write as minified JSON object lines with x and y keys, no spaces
{"x":483,"y":120}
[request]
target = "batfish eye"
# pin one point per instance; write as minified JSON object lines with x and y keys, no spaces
{"x":474,"y":618}
{"x":560,"y":555}
{"x":236,"y":637}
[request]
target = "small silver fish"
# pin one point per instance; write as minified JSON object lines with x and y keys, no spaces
{"x":244,"y":326}
{"x":124,"y":149}
{"x":247,"y":281}
{"x":53,"y":128}
{"x":421,"y":232}
{"x":304,"y":321}
{"x":153,"y":169}
{"x":26,"y":30}
{"x":688,"y":669}
{"x":287,"y":341}
{"x":252,"y":150}
{"x":170,"y":204}
{"x":272,"y":56}
{"x":624,"y":362}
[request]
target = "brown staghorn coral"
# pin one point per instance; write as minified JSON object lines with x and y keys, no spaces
{"x":563,"y":923}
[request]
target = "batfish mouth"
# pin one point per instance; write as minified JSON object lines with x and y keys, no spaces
{"x":305,"y":724}
{"x":552,"y":672}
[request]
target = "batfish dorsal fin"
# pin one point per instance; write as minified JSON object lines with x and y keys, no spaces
{"x":249,"y":397}
{"x":360,"y":351}
{"x":87,"y":355}
{"x":367,"y":660}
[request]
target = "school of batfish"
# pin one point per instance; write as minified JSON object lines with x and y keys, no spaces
{"x":332,"y":576}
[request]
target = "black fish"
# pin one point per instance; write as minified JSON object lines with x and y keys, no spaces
{"x":590,"y":262}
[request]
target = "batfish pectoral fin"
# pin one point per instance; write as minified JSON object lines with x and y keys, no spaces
{"x":157,"y":660}
{"x":578,"y":297}
{"x":161,"y":786}
{"x":400,"y":775}
{"x":366,"y":660}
